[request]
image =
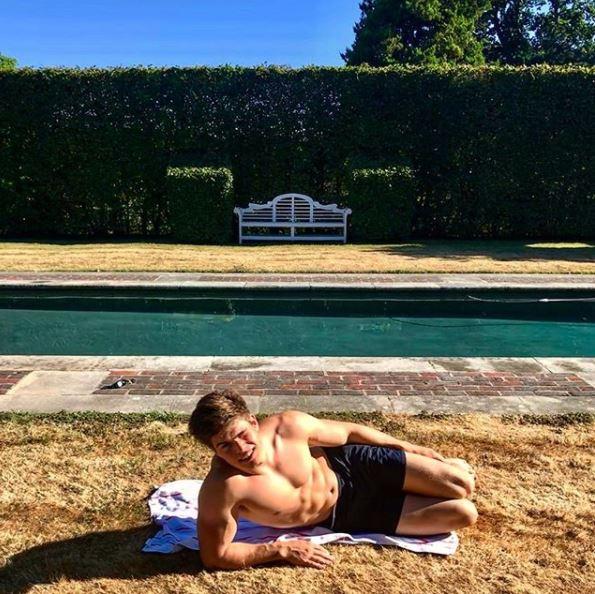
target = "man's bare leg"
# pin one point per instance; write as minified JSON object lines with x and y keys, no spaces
{"x":436,"y":502}
{"x":434,"y":478}
{"x":423,"y":516}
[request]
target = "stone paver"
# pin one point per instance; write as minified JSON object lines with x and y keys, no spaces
{"x":8,"y":379}
{"x":556,"y":404}
{"x":511,"y":364}
{"x":368,"y":364}
{"x":108,"y":403}
{"x":495,"y":405}
{"x":49,"y":383}
{"x":564,"y":365}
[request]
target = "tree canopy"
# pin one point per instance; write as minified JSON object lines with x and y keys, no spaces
{"x":539,"y":31}
{"x":417,"y":32}
{"x":473,"y":32}
{"x":7,"y":63}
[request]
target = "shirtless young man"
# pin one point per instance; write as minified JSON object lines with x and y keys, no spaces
{"x":292,"y":470}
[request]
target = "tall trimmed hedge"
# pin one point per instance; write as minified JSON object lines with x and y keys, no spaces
{"x":496,"y":151}
{"x":200,"y":201}
{"x":383,"y":202}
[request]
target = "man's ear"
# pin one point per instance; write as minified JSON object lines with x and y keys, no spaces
{"x":253,"y":421}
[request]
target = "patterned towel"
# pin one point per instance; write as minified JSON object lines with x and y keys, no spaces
{"x":174,"y":508}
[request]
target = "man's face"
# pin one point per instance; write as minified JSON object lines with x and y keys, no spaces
{"x":238,"y":443}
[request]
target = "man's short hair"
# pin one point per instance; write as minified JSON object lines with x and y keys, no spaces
{"x":213,"y":412}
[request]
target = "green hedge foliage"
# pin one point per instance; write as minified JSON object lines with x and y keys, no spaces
{"x":200,"y":201}
{"x":383,"y":202}
{"x":497,"y":151}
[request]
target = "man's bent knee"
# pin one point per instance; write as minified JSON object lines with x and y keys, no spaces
{"x":430,"y":515}
{"x":465,"y":513}
{"x":459,"y":513}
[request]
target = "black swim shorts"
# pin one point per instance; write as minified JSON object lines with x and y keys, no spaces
{"x":371,"y":493}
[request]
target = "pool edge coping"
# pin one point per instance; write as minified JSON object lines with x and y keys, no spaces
{"x":251,"y":281}
{"x":583,"y":365}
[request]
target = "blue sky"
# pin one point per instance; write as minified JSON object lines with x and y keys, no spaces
{"x":176,"y":32}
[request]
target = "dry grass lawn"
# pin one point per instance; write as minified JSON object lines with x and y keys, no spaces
{"x":74,"y":520}
{"x":426,"y":256}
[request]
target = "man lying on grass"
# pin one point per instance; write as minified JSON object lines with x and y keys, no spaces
{"x":293,"y":470}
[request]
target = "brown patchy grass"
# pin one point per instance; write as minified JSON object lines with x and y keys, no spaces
{"x":73,"y":516}
{"x":421,"y":257}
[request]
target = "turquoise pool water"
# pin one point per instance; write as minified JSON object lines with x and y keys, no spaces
{"x":288,"y":323}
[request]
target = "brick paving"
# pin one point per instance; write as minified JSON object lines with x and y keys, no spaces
{"x":327,"y":383}
{"x":10,"y":378}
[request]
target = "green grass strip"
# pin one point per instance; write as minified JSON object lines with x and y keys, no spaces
{"x":119,"y":419}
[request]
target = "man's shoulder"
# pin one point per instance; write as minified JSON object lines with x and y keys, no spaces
{"x":289,"y":423}
{"x":218,"y":497}
{"x":223,"y":481}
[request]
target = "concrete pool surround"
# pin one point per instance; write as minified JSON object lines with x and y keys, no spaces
{"x":313,"y":384}
{"x":152,"y":280}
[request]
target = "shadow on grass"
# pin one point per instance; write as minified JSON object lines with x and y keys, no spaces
{"x":112,"y":554}
{"x":495,"y":250}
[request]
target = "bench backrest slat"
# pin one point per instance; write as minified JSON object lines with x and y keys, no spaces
{"x":296,"y":208}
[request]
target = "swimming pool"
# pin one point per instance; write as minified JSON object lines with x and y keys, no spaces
{"x":293,"y":322}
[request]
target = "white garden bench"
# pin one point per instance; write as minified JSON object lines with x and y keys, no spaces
{"x":293,"y":212}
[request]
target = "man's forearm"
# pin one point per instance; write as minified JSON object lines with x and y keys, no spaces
{"x":337,"y":433}
{"x":367,"y":435}
{"x":239,"y":555}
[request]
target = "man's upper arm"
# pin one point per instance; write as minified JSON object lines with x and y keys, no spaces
{"x":217,"y":523}
{"x":318,"y":432}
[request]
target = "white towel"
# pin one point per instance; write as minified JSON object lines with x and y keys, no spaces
{"x":174,"y":508}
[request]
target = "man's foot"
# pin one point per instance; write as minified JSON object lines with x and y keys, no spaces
{"x":464,"y":465}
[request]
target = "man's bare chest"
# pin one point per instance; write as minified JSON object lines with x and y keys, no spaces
{"x":293,"y":481}
{"x":293,"y":469}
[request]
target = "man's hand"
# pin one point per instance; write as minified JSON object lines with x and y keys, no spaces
{"x":428,"y":452}
{"x":305,"y":554}
{"x":463,"y":465}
